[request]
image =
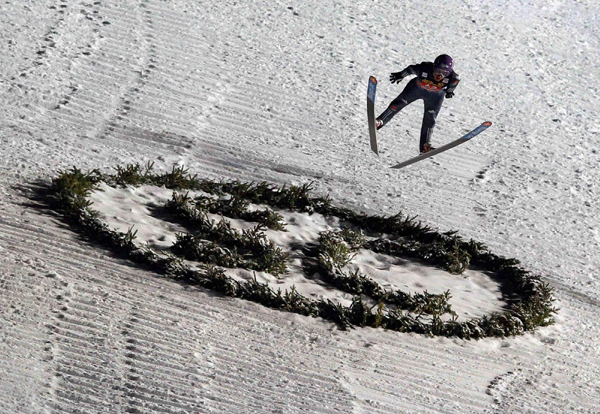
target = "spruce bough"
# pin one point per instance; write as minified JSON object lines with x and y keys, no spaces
{"x":219,"y":245}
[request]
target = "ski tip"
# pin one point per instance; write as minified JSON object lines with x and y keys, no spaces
{"x":487,"y":124}
{"x":372,"y":79}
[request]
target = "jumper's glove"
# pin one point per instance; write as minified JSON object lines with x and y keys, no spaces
{"x":449,"y":95}
{"x":396,"y":77}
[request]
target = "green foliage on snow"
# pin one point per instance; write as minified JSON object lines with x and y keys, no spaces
{"x":215,"y":244}
{"x":219,"y":243}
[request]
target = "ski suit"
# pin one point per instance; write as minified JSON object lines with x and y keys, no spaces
{"x":424,"y":87}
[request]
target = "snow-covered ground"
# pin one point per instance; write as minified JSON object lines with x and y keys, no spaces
{"x":270,"y":90}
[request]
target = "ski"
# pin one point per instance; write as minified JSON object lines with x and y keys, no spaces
{"x":446,"y":147}
{"x":371,"y":113}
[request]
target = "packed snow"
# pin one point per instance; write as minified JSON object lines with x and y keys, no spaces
{"x":267,"y":90}
{"x":474,"y":294}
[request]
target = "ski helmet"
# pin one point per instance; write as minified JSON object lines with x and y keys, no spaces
{"x":443,"y":62}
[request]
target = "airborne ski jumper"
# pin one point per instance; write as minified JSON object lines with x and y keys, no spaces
{"x":434,"y":82}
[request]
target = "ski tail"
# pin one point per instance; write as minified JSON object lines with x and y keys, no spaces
{"x":372,"y":89}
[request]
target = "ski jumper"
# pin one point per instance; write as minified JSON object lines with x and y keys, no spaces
{"x":424,"y":87}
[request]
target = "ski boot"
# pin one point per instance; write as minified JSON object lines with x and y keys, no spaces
{"x":426,"y":148}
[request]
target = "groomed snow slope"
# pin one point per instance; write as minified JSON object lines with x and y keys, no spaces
{"x":270,"y":90}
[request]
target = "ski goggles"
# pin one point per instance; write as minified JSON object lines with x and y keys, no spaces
{"x":441,"y":72}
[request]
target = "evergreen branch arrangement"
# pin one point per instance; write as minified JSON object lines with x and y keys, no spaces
{"x":256,"y":251}
{"x":216,"y":244}
{"x":336,"y":250}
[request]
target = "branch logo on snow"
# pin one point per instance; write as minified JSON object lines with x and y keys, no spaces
{"x":289,"y":250}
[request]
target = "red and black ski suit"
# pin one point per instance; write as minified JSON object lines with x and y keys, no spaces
{"x":424,"y":87}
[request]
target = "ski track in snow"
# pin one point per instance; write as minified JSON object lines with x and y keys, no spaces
{"x":275,"y":91}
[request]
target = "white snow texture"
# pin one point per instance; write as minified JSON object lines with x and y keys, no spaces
{"x":268,"y":90}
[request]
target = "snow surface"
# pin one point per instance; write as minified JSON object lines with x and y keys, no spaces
{"x":474,"y":294}
{"x":268,"y":90}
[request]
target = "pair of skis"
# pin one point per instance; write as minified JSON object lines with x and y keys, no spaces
{"x":373,"y":131}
